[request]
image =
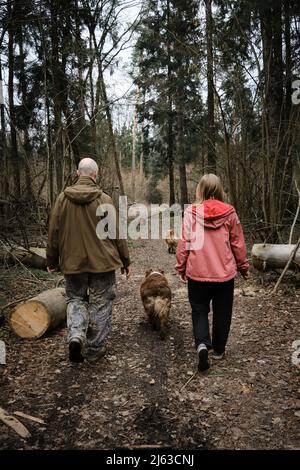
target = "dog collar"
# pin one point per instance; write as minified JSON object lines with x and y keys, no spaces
{"x":155,"y":272}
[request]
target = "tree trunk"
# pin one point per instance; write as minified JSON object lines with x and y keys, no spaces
{"x":268,"y":256}
{"x":273,"y":141}
{"x":184,"y":199}
{"x":92,"y":100}
{"x":3,"y":142}
{"x":57,"y":98}
{"x":133,"y":154}
{"x":170,"y":155}
{"x":112,"y":137}
{"x":48,"y":138}
{"x":170,"y":140}
{"x":32,"y":318}
{"x":50,"y":158}
{"x":142,"y":155}
{"x":288,"y":60}
{"x":13,"y":132}
{"x":211,"y":145}
{"x":24,"y":90}
{"x":80,"y":58}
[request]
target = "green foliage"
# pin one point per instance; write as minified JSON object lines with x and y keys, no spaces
{"x":167,"y":63}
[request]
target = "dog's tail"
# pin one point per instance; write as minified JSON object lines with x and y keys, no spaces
{"x":162,"y":310}
{"x":162,"y":307}
{"x":158,"y":306}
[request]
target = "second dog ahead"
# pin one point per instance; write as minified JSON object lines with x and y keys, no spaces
{"x":156,"y":297}
{"x":171,"y":241}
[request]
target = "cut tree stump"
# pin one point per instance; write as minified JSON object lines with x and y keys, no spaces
{"x":268,"y":256}
{"x":32,"y":318}
{"x":34,"y":257}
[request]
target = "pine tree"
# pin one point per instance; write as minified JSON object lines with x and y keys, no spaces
{"x":168,"y":57}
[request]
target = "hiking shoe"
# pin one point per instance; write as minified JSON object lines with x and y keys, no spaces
{"x":92,"y":358}
{"x":217,"y":356}
{"x":203,"y":357}
{"x":75,"y":351}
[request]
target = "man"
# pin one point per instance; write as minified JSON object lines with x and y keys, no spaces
{"x":87,"y":261}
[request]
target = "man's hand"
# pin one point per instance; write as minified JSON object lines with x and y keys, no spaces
{"x":183,"y":278}
{"x":50,"y":269}
{"x":127,"y":270}
{"x":246,"y":275}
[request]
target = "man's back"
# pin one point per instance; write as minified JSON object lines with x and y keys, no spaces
{"x":72,"y":232}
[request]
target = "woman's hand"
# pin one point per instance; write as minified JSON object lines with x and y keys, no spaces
{"x":246,"y":275}
{"x":183,"y":278}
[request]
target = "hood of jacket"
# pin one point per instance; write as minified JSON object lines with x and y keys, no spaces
{"x":84,"y":191}
{"x":212,"y":212}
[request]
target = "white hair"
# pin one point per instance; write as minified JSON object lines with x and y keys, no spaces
{"x":88,"y":167}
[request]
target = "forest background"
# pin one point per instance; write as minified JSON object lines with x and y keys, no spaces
{"x":158,"y":92}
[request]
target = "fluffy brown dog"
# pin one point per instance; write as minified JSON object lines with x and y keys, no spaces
{"x":156,"y":297}
{"x":171,"y":241}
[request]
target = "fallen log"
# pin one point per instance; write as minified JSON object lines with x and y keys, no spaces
{"x":268,"y":256}
{"x":34,"y":257}
{"x":32,"y":318}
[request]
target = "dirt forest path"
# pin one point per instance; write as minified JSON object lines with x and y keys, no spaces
{"x":140,"y":394}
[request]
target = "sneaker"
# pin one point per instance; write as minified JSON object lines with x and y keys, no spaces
{"x":97,"y":355}
{"x":203,"y":357}
{"x":217,"y":356}
{"x":75,"y":351}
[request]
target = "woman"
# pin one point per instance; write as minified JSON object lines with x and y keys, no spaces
{"x":210,"y":269}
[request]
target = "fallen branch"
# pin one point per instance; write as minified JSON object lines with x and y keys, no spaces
{"x":14,"y":423}
{"x":31,"y":418}
{"x":296,"y":215}
{"x":186,"y":384}
{"x":59,"y":280}
{"x":286,"y":267}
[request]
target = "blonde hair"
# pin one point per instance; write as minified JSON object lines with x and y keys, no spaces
{"x":210,"y":187}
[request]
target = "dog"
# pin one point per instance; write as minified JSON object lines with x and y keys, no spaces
{"x":171,"y":242}
{"x":156,"y":296}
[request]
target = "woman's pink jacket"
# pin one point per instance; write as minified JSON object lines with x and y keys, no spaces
{"x":223,"y":252}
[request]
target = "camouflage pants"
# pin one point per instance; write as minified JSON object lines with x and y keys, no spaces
{"x":89,"y":308}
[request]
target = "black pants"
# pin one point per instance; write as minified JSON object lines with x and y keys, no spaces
{"x":221,"y":295}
